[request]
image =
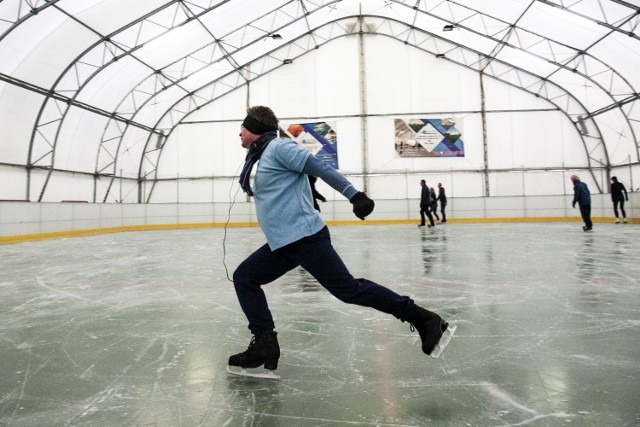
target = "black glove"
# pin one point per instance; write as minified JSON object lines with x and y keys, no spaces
{"x":362,"y":205}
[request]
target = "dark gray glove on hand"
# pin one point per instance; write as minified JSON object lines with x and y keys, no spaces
{"x":362,"y":205}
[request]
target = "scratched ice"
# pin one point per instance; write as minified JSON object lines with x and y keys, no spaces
{"x":134,"y":329}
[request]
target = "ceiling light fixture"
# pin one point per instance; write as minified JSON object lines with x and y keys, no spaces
{"x":288,"y":61}
{"x":448,"y":27}
{"x":275,"y":36}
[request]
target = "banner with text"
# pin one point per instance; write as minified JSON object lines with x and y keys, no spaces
{"x":319,"y":138}
{"x":428,"y":138}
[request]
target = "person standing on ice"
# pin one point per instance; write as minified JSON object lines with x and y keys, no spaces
{"x":442,"y":198}
{"x":294,"y":229}
{"x":617,"y":188}
{"x":582,"y":197}
{"x":425,"y":204}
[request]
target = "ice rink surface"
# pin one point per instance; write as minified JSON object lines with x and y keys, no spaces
{"x":135,"y":329}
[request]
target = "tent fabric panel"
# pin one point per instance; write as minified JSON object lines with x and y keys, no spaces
{"x":77,"y":142}
{"x":230,"y":107}
{"x":615,"y":130}
{"x":130,"y":152}
{"x":202,"y":150}
{"x":47,"y":59}
{"x":622,"y":53}
{"x":18,"y":107}
{"x":107,"y":17}
{"x":500,"y":96}
{"x":13,"y":183}
{"x":417,"y":86}
{"x":561,"y":26}
{"x":21,"y":43}
{"x":532,"y":140}
{"x":64,"y":186}
{"x":112,"y":84}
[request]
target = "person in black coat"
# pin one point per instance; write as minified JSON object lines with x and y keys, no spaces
{"x":617,"y":197}
{"x":582,"y":197}
{"x":442,"y":198}
{"x":316,"y":195}
{"x":434,"y":203}
{"x":425,"y":205}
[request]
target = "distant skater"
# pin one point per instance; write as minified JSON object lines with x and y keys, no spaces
{"x":617,"y":190}
{"x":315,"y":193}
{"x":297,"y":236}
{"x":434,"y":203}
{"x":442,"y":198}
{"x":425,"y":205}
{"x":582,"y":197}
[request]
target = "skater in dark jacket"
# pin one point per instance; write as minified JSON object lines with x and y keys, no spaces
{"x":315,"y":193}
{"x":294,"y":229}
{"x":434,"y":203}
{"x":617,"y":188}
{"x":425,"y":204}
{"x":582,"y":197}
{"x":442,"y":198}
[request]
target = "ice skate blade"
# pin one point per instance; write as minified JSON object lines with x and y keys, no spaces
{"x":242,"y":372}
{"x":444,"y":341}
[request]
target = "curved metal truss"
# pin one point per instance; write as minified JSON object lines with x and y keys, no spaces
{"x":429,"y":43}
{"x":218,"y":60}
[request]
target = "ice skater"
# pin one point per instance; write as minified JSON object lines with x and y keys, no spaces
{"x":442,"y":198}
{"x":434,"y":203}
{"x":425,"y":205}
{"x":617,"y":188}
{"x":294,"y":229}
{"x":582,"y":196}
{"x":315,"y":193}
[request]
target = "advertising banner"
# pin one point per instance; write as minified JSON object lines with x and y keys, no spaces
{"x":319,"y":138}
{"x":428,"y":138}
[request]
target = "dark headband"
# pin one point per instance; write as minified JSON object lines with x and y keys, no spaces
{"x":256,"y":127}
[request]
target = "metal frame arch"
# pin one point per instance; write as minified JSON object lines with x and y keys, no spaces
{"x":579,"y":68}
{"x":617,"y":28}
{"x":116,"y":51}
{"x":155,"y":78}
{"x":112,"y":50}
{"x":34,"y":9}
{"x":543,"y":85}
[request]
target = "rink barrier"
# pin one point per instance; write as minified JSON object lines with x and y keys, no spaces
{"x":29,"y":221}
{"x":6,"y":240}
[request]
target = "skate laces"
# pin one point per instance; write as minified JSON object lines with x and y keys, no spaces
{"x":253,"y":341}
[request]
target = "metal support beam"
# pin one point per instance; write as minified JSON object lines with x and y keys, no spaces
{"x":363,"y":106}
{"x":485,"y":144}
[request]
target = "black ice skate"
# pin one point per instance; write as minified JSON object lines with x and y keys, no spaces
{"x":434,"y":332}
{"x":263,"y":350}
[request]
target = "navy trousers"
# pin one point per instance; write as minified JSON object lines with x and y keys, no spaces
{"x":585,"y":212}
{"x":316,"y":255}
{"x":425,"y":209}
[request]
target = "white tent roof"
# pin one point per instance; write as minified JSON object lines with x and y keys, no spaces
{"x":137,"y":69}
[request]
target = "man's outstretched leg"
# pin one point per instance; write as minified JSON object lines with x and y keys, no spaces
{"x":327,"y":267}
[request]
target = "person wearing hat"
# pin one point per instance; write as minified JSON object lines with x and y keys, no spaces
{"x":297,"y":236}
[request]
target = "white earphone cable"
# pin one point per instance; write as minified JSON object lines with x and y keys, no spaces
{"x":224,"y":238}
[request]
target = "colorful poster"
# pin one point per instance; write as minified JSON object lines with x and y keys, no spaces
{"x":319,"y":138}
{"x":428,"y":138}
